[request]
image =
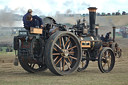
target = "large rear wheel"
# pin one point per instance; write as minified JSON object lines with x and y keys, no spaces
{"x":63,"y":53}
{"x":31,"y":62}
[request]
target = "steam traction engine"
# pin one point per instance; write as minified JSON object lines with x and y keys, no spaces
{"x":62,"y":51}
{"x":114,"y":45}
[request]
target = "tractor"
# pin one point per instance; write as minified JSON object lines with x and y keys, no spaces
{"x":62,"y":50}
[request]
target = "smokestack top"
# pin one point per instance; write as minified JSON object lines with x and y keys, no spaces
{"x":114,"y":27}
{"x":96,"y":26}
{"x":92,"y":9}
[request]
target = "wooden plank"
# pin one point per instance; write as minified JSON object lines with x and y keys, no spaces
{"x":36,"y":30}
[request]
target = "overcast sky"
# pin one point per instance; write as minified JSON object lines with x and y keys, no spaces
{"x":51,"y":7}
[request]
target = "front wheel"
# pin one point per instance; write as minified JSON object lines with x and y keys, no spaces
{"x":106,"y":60}
{"x":84,"y":61}
{"x":119,"y":53}
{"x":63,"y":53}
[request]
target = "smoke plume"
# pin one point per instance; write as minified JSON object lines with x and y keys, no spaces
{"x":6,"y":17}
{"x":76,"y":7}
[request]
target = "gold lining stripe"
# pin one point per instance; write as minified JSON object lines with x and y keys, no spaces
{"x":92,"y":10}
{"x":96,"y":27}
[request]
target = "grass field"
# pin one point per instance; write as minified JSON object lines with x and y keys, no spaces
{"x":11,"y":75}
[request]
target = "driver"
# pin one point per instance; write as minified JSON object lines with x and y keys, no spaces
{"x":34,"y":21}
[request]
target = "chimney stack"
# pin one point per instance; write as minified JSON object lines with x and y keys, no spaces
{"x":92,"y":18}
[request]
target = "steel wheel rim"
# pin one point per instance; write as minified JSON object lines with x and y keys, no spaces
{"x":29,"y":64}
{"x":107,"y":61}
{"x":84,"y":61}
{"x":64,"y":53}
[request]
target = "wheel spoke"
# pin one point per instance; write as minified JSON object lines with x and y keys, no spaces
{"x":71,"y":52}
{"x":82,"y":64}
{"x":61,"y":64}
{"x":106,"y":60}
{"x":107,"y":53}
{"x":55,"y":49}
{"x":73,"y":57}
{"x":103,"y":57}
{"x":108,"y":64}
{"x":72,"y":47}
{"x":109,"y":59}
{"x":58,"y":61}
{"x":64,"y":53}
{"x":67,"y":41}
{"x":56,"y":54}
{"x":63,"y":43}
{"x":104,"y":54}
{"x":69,"y":60}
{"x":57,"y":46}
{"x":68,"y":44}
{"x":67,"y":64}
{"x":104,"y":64}
{"x":33,"y":65}
{"x":56,"y":58}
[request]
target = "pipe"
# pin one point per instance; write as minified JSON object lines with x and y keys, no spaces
{"x":96,"y":29}
{"x":92,"y":18}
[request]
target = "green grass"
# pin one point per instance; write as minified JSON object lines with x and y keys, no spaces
{"x":6,"y":55}
{"x":4,"y":50}
{"x":11,"y":75}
